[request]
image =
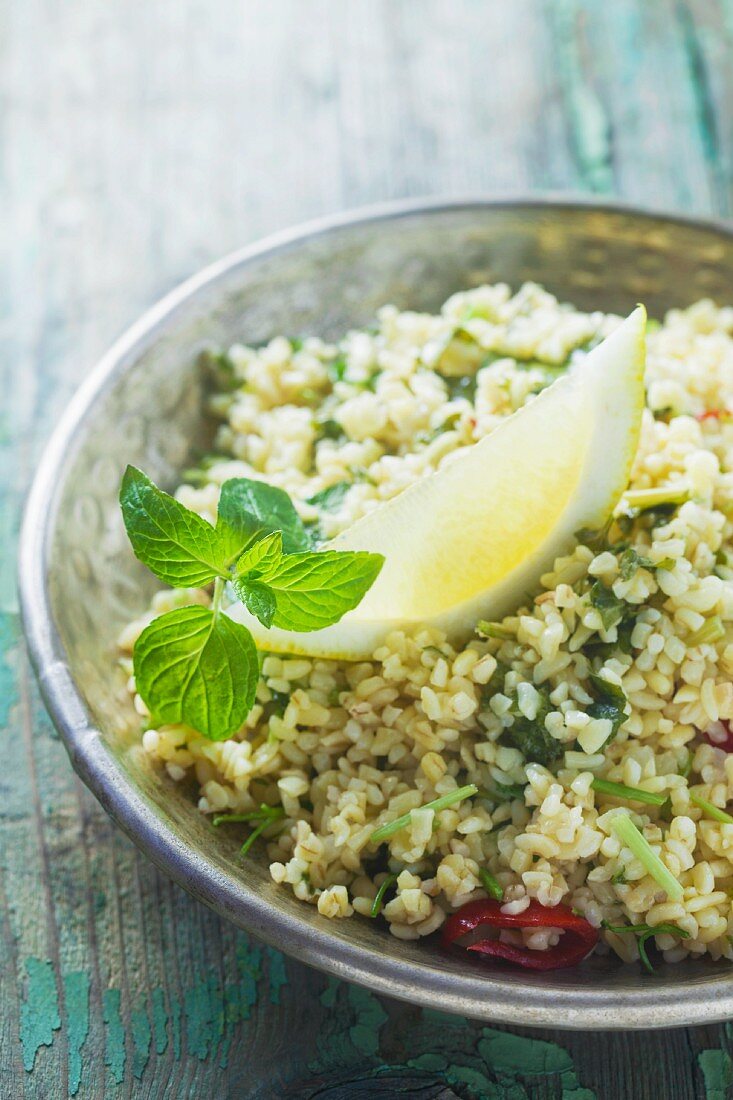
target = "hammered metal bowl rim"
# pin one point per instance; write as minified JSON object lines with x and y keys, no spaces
{"x":487,"y":996}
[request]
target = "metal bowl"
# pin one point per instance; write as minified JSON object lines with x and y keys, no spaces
{"x":143,"y":404}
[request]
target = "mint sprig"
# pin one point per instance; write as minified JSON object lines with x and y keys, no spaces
{"x":310,"y":591}
{"x":195,"y":665}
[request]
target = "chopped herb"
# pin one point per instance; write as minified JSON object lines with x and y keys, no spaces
{"x":531,"y":736}
{"x":645,"y":932}
{"x":605,"y":689}
{"x":336,"y":368}
{"x":631,"y":561}
{"x":624,"y":630}
{"x":595,"y":538}
{"x":711,"y":631}
{"x":279,"y":702}
{"x":462,"y":386}
{"x":330,"y":429}
{"x":628,"y":834}
{"x":331,"y":498}
{"x":495,"y":684}
{"x":712,"y":811}
{"x":619,"y":878}
{"x":606,"y":602}
{"x":491,"y":885}
{"x":485,"y":629}
{"x":442,"y":803}
{"x":376,"y":908}
{"x":610,"y":703}
{"x":634,"y":794}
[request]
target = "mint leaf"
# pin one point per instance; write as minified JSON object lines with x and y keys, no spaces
{"x":264,"y":556}
{"x":250,"y":509}
{"x":196,"y":666}
{"x":331,"y":498}
{"x":260,"y":558}
{"x":259,"y":599}
{"x":313,"y":591}
{"x":179,"y":546}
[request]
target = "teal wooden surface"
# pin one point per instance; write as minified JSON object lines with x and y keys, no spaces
{"x":140,"y":139}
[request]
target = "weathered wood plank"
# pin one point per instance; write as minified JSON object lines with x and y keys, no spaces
{"x":141,"y":140}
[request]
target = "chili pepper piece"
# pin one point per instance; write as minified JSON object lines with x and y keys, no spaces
{"x":578,"y":940}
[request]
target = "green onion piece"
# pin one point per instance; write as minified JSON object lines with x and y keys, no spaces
{"x":264,"y":817}
{"x":635,"y":794}
{"x":712,"y":811}
{"x":491,"y":885}
{"x":251,"y":815}
{"x":711,"y":631}
{"x":652,"y":498}
{"x":645,"y":932}
{"x":377,"y":903}
{"x":493,"y":630}
{"x":442,"y":803}
{"x":627,"y":832}
{"x":253,"y":836}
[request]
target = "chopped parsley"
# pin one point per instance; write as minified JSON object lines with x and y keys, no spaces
{"x":531,"y":736}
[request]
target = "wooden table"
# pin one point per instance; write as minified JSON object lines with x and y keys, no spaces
{"x":141,"y":139}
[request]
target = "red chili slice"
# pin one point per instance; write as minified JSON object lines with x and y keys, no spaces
{"x":578,"y":939}
{"x":720,"y":736}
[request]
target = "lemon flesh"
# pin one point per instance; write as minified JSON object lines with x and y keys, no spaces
{"x":470,"y":540}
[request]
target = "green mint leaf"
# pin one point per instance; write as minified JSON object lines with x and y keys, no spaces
{"x":250,"y":509}
{"x":331,"y":498}
{"x":197,"y":667}
{"x":259,"y":599}
{"x":180,"y":547}
{"x":315,"y":590}
{"x":262,"y":557}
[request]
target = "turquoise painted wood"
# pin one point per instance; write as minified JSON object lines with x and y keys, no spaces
{"x":140,"y":139}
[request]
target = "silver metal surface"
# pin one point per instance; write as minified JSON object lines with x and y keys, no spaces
{"x":80,"y":583}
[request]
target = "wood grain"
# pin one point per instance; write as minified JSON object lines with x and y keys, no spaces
{"x":142,"y":138}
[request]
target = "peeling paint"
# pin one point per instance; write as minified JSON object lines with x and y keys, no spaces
{"x":717,"y":1071}
{"x":76,"y":1002}
{"x":141,"y":1037}
{"x":39,"y":1012}
{"x":114,"y":1052}
{"x":160,"y":1020}
{"x":277,"y":974}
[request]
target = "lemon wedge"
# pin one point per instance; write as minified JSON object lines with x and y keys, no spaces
{"x":470,"y":540}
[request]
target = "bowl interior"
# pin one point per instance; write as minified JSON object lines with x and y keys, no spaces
{"x":145,"y":407}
